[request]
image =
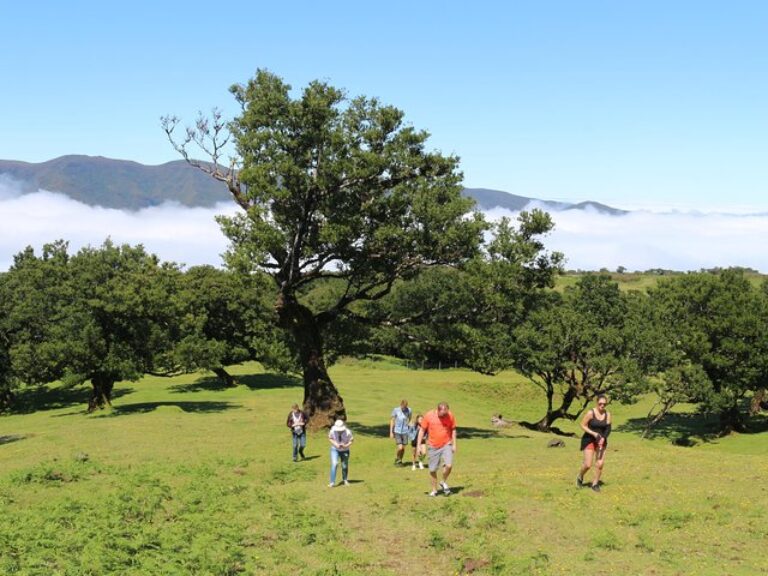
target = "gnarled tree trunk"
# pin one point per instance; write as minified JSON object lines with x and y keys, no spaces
{"x":731,"y":420}
{"x":545,"y":424}
{"x":6,"y":399}
{"x":225,"y":377}
{"x":759,"y":402}
{"x":101,"y":393}
{"x":322,"y":401}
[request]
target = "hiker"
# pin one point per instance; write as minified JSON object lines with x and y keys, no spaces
{"x":439,"y":426}
{"x":597,"y":426}
{"x":419,"y":452}
{"x":297,"y":422}
{"x":398,"y":429}
{"x":341,"y":439}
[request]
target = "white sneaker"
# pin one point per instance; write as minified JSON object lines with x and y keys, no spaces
{"x":433,"y":493}
{"x":444,"y":486}
{"x":346,"y":482}
{"x":331,"y":485}
{"x":413,"y":467}
{"x":421,"y":466}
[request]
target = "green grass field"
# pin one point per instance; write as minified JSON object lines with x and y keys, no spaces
{"x":182,"y":478}
{"x":638,"y":280}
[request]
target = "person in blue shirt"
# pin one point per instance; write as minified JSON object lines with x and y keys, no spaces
{"x":398,"y":429}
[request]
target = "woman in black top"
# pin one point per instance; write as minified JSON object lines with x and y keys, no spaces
{"x":597,"y":426}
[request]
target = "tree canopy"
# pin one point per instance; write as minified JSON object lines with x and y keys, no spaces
{"x":331,"y":187}
{"x":588,"y":341}
{"x":719,"y":326}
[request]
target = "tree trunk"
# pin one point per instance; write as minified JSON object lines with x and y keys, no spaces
{"x":545,"y":424}
{"x":101,"y":393}
{"x":731,"y":420}
{"x":225,"y":377}
{"x":653,"y":419}
{"x":759,"y":402}
{"x":6,"y":399}
{"x":322,"y":402}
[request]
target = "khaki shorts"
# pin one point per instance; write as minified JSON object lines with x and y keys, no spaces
{"x":435,"y":454}
{"x":401,"y":439}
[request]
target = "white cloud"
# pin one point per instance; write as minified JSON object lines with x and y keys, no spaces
{"x":645,"y":240}
{"x":590,"y":241}
{"x":173,"y":232}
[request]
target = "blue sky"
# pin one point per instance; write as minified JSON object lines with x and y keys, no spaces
{"x":637,"y":104}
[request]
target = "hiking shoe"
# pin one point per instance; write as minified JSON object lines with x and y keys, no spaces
{"x":596,"y":487}
{"x":398,"y":462}
{"x":346,"y":482}
{"x":579,"y":481}
{"x":446,"y":489}
{"x":433,"y":493}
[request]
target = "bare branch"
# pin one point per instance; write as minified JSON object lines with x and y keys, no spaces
{"x":211,"y":136}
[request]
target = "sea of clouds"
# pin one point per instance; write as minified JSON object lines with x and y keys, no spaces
{"x":639,"y":240}
{"x":175,"y":233}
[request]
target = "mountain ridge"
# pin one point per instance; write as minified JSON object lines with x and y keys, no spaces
{"x":129,"y":185}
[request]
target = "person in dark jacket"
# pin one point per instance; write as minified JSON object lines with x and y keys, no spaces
{"x":597,"y":427}
{"x":297,"y":422}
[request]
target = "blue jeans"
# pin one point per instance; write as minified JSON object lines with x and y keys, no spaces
{"x":299,"y":443}
{"x":337,"y":455}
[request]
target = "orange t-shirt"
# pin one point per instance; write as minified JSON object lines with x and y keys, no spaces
{"x":440,"y":430}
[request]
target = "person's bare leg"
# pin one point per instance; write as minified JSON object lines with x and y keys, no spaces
{"x":433,"y":478}
{"x":599,"y":467}
{"x":587,"y":463}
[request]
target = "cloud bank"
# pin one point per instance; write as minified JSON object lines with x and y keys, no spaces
{"x":640,"y":240}
{"x":175,"y":233}
{"x":645,"y":240}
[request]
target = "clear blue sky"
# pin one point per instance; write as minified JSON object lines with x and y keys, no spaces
{"x":630,"y":103}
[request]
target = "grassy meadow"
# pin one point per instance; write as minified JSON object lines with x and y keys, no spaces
{"x":181,"y":477}
{"x":641,"y":281}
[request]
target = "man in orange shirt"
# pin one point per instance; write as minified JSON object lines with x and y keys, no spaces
{"x":440,"y":426}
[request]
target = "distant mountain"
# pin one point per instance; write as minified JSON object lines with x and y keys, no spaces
{"x":99,"y":181}
{"x":488,"y":199}
{"x":122,"y":184}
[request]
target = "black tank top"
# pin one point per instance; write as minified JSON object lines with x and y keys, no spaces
{"x":595,"y":425}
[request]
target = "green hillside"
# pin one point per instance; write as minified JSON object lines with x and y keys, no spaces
{"x":99,"y":181}
{"x":183,"y":478}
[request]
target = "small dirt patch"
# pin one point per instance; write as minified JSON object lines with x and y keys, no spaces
{"x":474,"y":494}
{"x":471,"y":564}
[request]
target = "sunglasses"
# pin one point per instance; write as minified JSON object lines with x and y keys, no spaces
{"x":601,"y":403}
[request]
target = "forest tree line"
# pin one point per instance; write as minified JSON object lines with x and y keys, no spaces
{"x":115,"y":313}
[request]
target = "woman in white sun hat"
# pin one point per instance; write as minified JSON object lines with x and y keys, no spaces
{"x":341,"y":439}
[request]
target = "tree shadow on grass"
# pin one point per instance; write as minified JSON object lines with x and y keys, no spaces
{"x":379,"y":430}
{"x":681,"y":429}
{"x":382,"y":431}
{"x":552,"y":429}
{"x":12,"y":438}
{"x":270,"y":381}
{"x":251,"y":381}
{"x":39,"y":398}
{"x":189,"y":407}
